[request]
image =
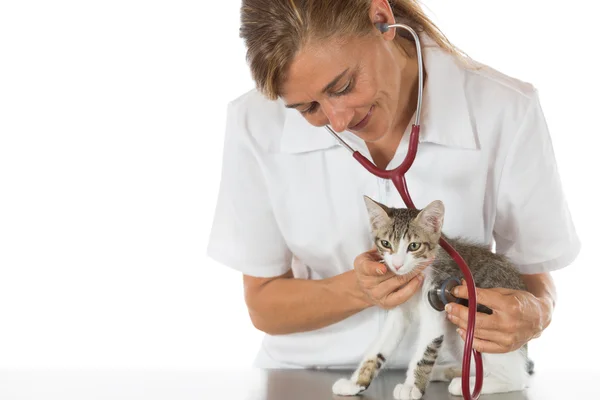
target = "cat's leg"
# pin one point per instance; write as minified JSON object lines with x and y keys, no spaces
{"x":507,"y":372}
{"x":431,"y":337}
{"x":444,"y":373}
{"x":378,"y":353}
{"x":449,"y":363}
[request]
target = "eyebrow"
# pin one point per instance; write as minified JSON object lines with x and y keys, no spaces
{"x":325,"y":89}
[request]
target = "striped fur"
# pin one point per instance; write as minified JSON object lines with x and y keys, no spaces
{"x":425,"y":365}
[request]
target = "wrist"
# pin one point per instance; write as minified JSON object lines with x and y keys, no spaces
{"x":346,"y":286}
{"x":546,"y":310}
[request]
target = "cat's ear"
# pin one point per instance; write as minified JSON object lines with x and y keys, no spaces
{"x":378,"y":213}
{"x":431,"y":218}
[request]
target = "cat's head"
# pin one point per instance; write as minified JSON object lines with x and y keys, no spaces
{"x":406,"y":238}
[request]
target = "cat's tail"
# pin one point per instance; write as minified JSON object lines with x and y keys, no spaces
{"x":529,"y":365}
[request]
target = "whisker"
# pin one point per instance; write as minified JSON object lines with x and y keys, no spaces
{"x":442,"y":273}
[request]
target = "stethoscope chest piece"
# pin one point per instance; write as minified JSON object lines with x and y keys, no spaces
{"x":442,"y":295}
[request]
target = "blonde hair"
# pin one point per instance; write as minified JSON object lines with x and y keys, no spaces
{"x":274,"y":31}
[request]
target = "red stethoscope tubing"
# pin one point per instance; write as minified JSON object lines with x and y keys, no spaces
{"x":397,"y":177}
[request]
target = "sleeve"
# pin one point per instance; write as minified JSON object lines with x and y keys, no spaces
{"x":533,"y":225}
{"x":245,"y":235}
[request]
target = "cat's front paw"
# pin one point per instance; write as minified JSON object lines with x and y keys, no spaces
{"x":404,"y":391}
{"x":345,"y":387}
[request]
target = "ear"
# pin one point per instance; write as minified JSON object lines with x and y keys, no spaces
{"x":381,"y":12}
{"x":432,"y":217}
{"x":378,"y":213}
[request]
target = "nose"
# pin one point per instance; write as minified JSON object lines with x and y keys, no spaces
{"x":339,"y":116}
{"x":398,"y":266}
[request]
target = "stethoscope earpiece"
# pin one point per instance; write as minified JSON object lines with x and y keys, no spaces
{"x":382,"y":26}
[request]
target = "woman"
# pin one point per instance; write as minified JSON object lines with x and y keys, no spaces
{"x":291,"y":215}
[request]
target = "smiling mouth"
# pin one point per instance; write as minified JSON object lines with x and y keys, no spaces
{"x":361,"y":124}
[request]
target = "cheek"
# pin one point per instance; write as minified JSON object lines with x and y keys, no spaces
{"x":317,"y":119}
{"x":365,"y":93}
{"x":388,"y":258}
{"x":383,"y":122}
{"x":411,"y":260}
{"x":421,"y":257}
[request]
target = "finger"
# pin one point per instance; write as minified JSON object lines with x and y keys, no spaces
{"x":391,"y":282}
{"x":371,"y":266}
{"x":484,"y":346}
{"x":402,"y":295}
{"x":459,"y":315}
{"x":489,"y":335}
{"x":491,"y":298}
{"x":387,"y":284}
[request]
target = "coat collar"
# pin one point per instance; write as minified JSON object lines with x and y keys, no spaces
{"x":445,"y":117}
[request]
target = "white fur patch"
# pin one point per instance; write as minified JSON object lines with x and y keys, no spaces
{"x":401,"y":257}
{"x":345,"y":387}
{"x":490,"y":385}
{"x":407,"y":392}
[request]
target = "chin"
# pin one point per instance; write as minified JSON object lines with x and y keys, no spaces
{"x":405,"y":270}
{"x":370,"y":137}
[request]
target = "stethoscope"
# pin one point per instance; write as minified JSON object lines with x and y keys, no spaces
{"x":441,"y":295}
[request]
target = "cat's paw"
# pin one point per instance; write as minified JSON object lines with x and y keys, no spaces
{"x":404,"y":391}
{"x":345,"y":387}
{"x":491,"y":385}
{"x":455,"y":387}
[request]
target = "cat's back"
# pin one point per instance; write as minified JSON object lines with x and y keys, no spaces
{"x":489,"y":269}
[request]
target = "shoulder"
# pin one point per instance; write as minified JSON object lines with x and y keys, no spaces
{"x":491,"y":91}
{"x":502,"y":107}
{"x":257,"y":118}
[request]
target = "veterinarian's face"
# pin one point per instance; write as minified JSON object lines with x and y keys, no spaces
{"x":358,"y":85}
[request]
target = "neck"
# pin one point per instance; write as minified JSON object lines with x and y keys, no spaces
{"x":383,"y":151}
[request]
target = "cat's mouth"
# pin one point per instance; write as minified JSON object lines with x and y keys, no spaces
{"x":410,"y":271}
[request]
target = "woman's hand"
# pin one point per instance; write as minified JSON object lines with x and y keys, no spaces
{"x":382,"y":287}
{"x":518,"y":316}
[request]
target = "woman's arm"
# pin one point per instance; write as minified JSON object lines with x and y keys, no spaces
{"x":284,"y":304}
{"x":542,"y":286}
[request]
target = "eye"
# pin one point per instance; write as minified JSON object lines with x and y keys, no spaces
{"x":345,"y":90}
{"x":310,"y":110}
{"x":386,"y":244}
{"x":414,"y":246}
{"x":314,"y":105}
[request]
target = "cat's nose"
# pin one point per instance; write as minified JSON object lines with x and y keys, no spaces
{"x":397,"y":266}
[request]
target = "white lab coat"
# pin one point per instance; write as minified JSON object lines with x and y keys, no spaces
{"x":291,"y":194}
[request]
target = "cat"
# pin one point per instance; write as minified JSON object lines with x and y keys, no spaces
{"x":407,"y":239}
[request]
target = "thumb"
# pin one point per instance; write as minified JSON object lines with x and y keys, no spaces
{"x":373,"y":263}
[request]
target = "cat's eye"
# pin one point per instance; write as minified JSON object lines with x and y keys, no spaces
{"x":386,"y":244}
{"x":414,"y":246}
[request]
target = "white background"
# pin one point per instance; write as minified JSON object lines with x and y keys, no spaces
{"x":111,"y":128}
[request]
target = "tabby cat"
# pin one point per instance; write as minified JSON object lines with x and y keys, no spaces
{"x":408,"y":239}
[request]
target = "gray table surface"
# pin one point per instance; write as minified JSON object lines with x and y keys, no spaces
{"x":253,"y":384}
